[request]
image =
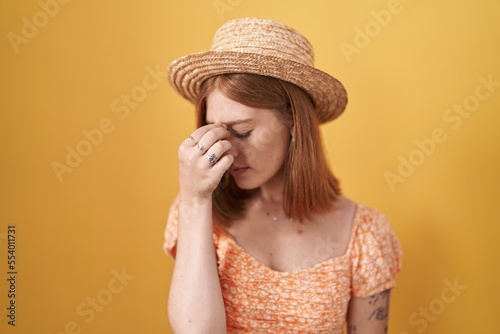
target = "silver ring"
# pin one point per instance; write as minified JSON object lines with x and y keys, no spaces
{"x":200,"y":147}
{"x":191,"y":138}
{"x":212,"y":158}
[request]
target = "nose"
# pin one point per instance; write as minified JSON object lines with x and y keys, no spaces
{"x":234,"y":150}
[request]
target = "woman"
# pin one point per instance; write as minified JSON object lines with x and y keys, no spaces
{"x":263,"y":239}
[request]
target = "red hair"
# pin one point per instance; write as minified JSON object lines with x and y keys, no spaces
{"x":310,"y":187}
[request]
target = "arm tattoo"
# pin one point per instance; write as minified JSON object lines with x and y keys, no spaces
{"x":381,"y":312}
{"x":381,"y":296}
{"x":352,"y":330}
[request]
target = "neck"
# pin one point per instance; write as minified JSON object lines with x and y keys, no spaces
{"x":271,"y":195}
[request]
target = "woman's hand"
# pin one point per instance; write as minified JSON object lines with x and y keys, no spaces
{"x":195,"y":288}
{"x":203,"y":159}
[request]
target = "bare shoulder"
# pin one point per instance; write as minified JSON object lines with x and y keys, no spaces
{"x":339,"y":222}
{"x":343,"y":213}
{"x":346,"y":207}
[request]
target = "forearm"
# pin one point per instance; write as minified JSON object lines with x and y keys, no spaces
{"x":195,"y":301}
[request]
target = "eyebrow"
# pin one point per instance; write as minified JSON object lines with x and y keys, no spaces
{"x":235,"y":122}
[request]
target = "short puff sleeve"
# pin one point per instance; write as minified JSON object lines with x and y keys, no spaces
{"x":376,"y":255}
{"x":170,"y":235}
{"x":170,"y":241}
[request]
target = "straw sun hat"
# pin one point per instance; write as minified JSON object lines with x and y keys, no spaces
{"x":264,"y":47}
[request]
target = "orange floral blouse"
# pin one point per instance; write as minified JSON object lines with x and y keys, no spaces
{"x":311,"y":300}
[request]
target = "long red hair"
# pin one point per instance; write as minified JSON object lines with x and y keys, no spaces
{"x":310,"y":187}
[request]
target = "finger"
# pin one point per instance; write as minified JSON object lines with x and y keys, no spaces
{"x":219,"y":148}
{"x":197,"y":152}
{"x":211,"y":137}
{"x":215,"y":153}
{"x":222,"y":165}
{"x":192,"y":139}
{"x":198,"y":133}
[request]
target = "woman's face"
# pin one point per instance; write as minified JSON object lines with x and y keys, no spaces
{"x":259,"y":139}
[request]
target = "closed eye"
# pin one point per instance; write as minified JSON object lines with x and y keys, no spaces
{"x":242,"y":135}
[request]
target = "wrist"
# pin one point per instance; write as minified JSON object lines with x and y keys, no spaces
{"x":193,"y":201}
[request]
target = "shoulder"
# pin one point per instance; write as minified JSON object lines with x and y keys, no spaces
{"x":356,"y":218}
{"x":372,"y":235}
{"x":343,"y":214}
{"x":369,"y":220}
{"x":375,"y":251}
{"x":374,"y":239}
{"x":369,"y":215}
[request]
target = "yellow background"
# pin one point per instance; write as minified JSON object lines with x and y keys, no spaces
{"x":107,"y":215}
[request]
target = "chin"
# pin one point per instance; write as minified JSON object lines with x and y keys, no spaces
{"x":257,"y":180}
{"x":246,"y":185}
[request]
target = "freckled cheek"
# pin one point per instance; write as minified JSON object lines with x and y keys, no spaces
{"x":273,"y":153}
{"x":248,"y":152}
{"x":254,"y":152}
{"x":266,"y":137}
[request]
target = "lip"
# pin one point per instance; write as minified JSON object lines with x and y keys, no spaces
{"x":237,"y":170}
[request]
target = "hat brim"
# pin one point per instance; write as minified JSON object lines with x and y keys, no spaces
{"x":187,"y":73}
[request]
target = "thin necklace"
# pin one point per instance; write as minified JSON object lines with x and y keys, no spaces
{"x":272,"y":215}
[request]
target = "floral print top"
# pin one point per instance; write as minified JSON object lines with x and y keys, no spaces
{"x":310,"y":300}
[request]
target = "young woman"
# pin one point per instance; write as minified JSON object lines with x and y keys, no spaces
{"x":263,"y":239}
